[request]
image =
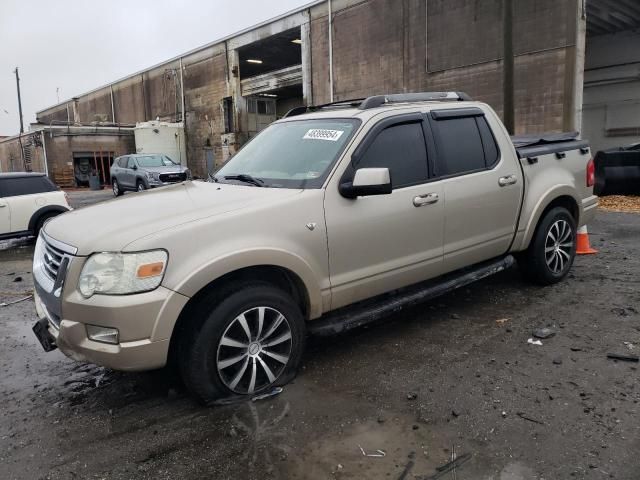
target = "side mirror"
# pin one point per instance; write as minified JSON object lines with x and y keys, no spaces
{"x":367,"y":181}
{"x":135,"y":167}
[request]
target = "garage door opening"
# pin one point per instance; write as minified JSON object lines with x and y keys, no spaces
{"x":267,"y":107}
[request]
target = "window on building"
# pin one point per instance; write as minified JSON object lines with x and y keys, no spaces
{"x":459,"y":146}
{"x":227,"y":113}
{"x":401,"y":149}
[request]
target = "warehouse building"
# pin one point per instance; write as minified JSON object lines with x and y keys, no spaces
{"x":225,"y":92}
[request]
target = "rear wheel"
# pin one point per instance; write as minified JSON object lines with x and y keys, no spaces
{"x":552,"y":250}
{"x":243,"y":343}
{"x":42,"y":220}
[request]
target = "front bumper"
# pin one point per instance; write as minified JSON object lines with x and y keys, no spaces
{"x":144,"y":322}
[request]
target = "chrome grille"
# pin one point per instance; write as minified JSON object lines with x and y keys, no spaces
{"x":52,"y":258}
{"x":173,"y":177}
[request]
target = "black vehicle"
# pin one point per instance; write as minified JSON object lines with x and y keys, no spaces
{"x":142,"y":171}
{"x":618,"y":170}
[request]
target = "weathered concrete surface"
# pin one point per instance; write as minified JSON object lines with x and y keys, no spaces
{"x":569,"y":412}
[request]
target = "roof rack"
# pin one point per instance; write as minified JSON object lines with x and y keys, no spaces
{"x":379,"y":100}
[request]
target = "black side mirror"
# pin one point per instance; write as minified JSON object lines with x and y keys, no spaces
{"x":135,"y":167}
{"x":367,"y":181}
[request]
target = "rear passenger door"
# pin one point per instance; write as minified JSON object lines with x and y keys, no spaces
{"x":482,"y":185}
{"x":380,"y":243}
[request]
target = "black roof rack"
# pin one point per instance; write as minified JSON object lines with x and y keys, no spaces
{"x":379,"y":100}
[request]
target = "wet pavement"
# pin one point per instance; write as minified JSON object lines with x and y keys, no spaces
{"x":455,"y":376}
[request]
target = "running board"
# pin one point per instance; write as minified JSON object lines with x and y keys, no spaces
{"x":368,"y":311}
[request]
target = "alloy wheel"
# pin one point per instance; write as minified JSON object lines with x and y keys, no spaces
{"x":116,"y":189}
{"x":254,"y":350}
{"x":558,"y":246}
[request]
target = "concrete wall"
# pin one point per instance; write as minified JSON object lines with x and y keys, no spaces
{"x":11,"y":159}
{"x":379,"y":46}
{"x":383,"y":46}
{"x":611,"y":112}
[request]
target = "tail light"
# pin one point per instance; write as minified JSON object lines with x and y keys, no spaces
{"x":591,"y":173}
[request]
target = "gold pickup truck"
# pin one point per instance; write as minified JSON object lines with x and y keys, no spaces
{"x":328,"y":219}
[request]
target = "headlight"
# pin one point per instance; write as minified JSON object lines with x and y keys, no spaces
{"x":122,"y":273}
{"x":156,"y":176}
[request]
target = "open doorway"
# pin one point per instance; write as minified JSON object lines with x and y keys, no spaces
{"x":267,"y":107}
{"x":90,"y":163}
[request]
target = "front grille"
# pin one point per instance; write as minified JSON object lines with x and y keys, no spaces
{"x":173,"y":177}
{"x":52,"y":258}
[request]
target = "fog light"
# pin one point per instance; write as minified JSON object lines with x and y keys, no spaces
{"x":102,"y":334}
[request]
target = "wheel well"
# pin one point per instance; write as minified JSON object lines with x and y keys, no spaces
{"x":44,"y":212}
{"x":277,"y":276}
{"x":564,"y":201}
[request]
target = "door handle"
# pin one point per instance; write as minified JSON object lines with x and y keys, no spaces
{"x":508,"y":180}
{"x":426,"y":199}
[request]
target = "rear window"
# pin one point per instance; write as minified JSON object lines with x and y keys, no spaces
{"x":464,"y":145}
{"x":13,"y":187}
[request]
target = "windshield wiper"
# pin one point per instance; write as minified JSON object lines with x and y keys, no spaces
{"x":246,"y":178}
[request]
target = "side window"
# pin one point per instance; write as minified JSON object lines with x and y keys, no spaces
{"x":491,"y":154}
{"x":458,"y":145}
{"x":13,"y":187}
{"x":131,"y":162}
{"x":400,"y":148}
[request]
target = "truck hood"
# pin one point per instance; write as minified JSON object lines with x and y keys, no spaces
{"x":114,"y":224}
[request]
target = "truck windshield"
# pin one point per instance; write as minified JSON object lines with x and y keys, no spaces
{"x":296,"y":154}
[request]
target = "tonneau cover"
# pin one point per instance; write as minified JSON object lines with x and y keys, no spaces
{"x":534,"y":145}
{"x":530,"y":140}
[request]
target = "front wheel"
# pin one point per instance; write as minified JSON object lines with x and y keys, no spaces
{"x":117,"y":191}
{"x":141,"y":186}
{"x":246,"y":343}
{"x":552,"y":250}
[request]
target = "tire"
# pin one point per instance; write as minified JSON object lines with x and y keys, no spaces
{"x":552,"y":250}
{"x":42,"y":220}
{"x":117,"y":189}
{"x":217,"y":359}
{"x":140,"y":186}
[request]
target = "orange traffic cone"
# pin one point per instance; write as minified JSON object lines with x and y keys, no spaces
{"x":583,"y":247}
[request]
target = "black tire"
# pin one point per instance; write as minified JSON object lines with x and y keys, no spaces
{"x":541,"y":266}
{"x":117,"y":188}
{"x":42,"y":220}
{"x":140,"y":186}
{"x":214,"y":318}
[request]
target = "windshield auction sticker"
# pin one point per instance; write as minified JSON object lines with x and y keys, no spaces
{"x":323,"y":134}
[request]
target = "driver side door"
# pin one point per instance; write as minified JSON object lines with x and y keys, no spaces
{"x":130,"y":173}
{"x":379,"y":243}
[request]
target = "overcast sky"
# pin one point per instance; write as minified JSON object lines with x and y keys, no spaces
{"x":78,"y":45}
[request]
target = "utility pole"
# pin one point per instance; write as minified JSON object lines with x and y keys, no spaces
{"x":19,"y":100}
{"x":508,"y":66}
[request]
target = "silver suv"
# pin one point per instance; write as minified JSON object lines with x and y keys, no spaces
{"x":324,"y":221}
{"x":142,"y":171}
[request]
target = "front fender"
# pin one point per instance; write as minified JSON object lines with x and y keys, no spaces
{"x":223,"y":265}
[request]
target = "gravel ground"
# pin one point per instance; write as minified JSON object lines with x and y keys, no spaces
{"x":453,"y":376}
{"x":620,"y":203}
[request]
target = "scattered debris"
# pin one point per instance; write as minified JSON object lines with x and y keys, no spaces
{"x":442,"y":470}
{"x":629,"y":345}
{"x":543,"y":333}
{"x":17,"y":279}
{"x":455,"y":316}
{"x":575,"y":349}
{"x":412,"y":396}
{"x":620,"y":203}
{"x":375,"y":454}
{"x":557,"y":361}
{"x":275,"y":391}
{"x":502,"y":321}
{"x":504,"y":414}
{"x":407,"y":468}
{"x":623,"y":356}
{"x":455,"y":413}
{"x":6,"y":304}
{"x":534,"y":342}
{"x":524,"y":416}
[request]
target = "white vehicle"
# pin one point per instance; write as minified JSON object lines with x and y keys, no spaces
{"x":27,"y":201}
